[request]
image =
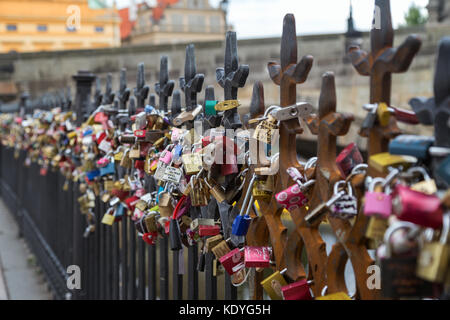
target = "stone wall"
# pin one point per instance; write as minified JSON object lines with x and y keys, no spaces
{"x":39,"y":72}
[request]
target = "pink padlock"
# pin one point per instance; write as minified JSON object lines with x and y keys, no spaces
{"x":377,"y":203}
{"x":102,"y":162}
{"x":233,"y":261}
{"x":291,"y":198}
{"x":176,"y":135}
{"x":297,"y":291}
{"x":257,"y":257}
{"x":417,"y":207}
{"x":166,"y":157}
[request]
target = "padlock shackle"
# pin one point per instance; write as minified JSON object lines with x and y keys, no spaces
{"x":445,"y":229}
{"x":390,"y":231}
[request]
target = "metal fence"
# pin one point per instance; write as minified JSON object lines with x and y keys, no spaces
{"x":114,"y":262}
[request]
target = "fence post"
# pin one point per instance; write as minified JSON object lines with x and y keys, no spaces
{"x":83,"y":81}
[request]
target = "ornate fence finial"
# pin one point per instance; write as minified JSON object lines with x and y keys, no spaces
{"x":164,"y":87}
{"x":436,"y":111}
{"x":98,"y":96}
{"x":124,"y":92}
{"x":142,"y":90}
{"x":176,"y":103}
{"x":192,"y":82}
{"x":379,"y":65}
{"x":108,"y":97}
{"x":232,"y":77}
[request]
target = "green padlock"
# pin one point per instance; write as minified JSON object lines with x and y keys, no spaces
{"x":210,"y":109}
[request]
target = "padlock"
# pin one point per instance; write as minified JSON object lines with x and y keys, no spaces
{"x":398,"y":273}
{"x":273,"y":284}
{"x":242,"y":221}
{"x":206,"y":231}
{"x":263,"y":189}
{"x":199,"y":194}
{"x":220,"y":249}
{"x":377,"y":203}
{"x":427,"y":186}
{"x":150,"y":222}
{"x":150,"y":238}
{"x":376,"y":228}
{"x":257,"y":257}
{"x":192,"y":163}
{"x":369,"y":120}
{"x":346,"y":206}
{"x":334,"y":296}
{"x":417,"y":207}
{"x":233,"y":261}
{"x":216,"y":191}
{"x":349,"y":158}
{"x":299,"y":290}
{"x":383,"y":114}
{"x":411,"y":145}
{"x":108,"y":169}
{"x":108,"y":218}
{"x":325,"y":207}
{"x":265,"y":130}
{"x":126,"y":161}
{"x":211,"y":242}
{"x":165,"y":204}
{"x":434,"y":257}
{"x":135,"y":152}
{"x":293,"y":197}
{"x":196,"y":223}
{"x":382,"y":161}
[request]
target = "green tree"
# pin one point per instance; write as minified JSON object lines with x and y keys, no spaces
{"x":414,"y":16}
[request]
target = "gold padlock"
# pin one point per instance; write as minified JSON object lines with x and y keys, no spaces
{"x":265,"y":129}
{"x":376,"y":228}
{"x":427,"y":186}
{"x":434,"y":257}
{"x":220,"y":249}
{"x":216,"y":191}
{"x":383,"y":114}
{"x":199,"y":194}
{"x":273,"y":284}
{"x":165,"y":204}
{"x":151,"y":222}
{"x":382,"y":161}
{"x":135,"y":152}
{"x":192,"y":163}
{"x":211,"y":242}
{"x":262,"y":189}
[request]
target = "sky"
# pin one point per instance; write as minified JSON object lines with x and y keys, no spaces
{"x":264,"y":18}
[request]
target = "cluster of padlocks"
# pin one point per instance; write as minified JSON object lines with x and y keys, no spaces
{"x":153,"y":166}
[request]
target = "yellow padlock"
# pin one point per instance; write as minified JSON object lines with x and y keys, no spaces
{"x":382,"y":161}
{"x":273,"y":284}
{"x":383,"y":114}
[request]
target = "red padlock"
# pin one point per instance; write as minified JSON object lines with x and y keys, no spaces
{"x":257,"y":257}
{"x":131,"y":202}
{"x":233,"y":261}
{"x":349,"y":158}
{"x":206,"y":231}
{"x":150,"y":237}
{"x":417,"y":207}
{"x":297,"y":291}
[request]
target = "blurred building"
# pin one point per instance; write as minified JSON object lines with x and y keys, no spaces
{"x":173,"y":21}
{"x":47,"y":25}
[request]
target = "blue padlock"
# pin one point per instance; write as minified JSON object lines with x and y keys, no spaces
{"x":108,"y":169}
{"x":149,"y":109}
{"x":444,"y":170}
{"x":91,"y":175}
{"x":410,"y":145}
{"x":161,"y":189}
{"x":240,"y":225}
{"x":119,"y":210}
